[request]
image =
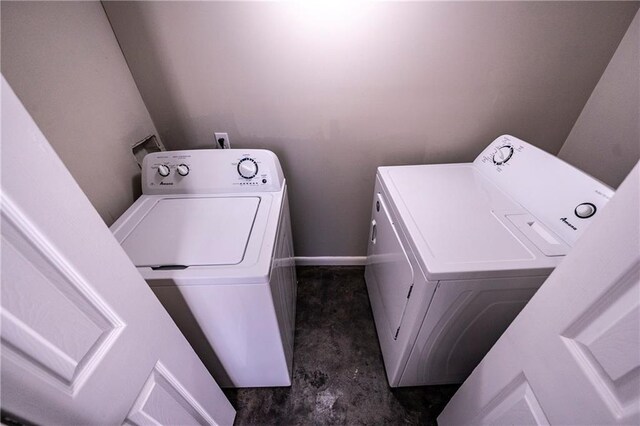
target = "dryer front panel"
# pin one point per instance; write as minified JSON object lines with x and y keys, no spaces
{"x":464,"y":320}
{"x":388,"y":261}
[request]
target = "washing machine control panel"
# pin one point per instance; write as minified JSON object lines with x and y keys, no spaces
{"x":564,"y":198}
{"x":211,"y":171}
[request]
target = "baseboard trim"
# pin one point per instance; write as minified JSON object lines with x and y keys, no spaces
{"x":331,"y":260}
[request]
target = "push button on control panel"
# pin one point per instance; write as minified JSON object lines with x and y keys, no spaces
{"x":585,"y":210}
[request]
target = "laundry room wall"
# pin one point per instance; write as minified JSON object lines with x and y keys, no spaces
{"x":336,"y":89}
{"x":605,"y":141}
{"x":64,"y":63}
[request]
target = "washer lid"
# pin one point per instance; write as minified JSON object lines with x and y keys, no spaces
{"x":193,"y":232}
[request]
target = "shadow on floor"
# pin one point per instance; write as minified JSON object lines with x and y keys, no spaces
{"x":338,"y":374}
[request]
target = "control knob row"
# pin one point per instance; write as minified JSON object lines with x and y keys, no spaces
{"x":164,"y":170}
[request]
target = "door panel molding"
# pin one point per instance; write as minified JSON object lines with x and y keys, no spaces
{"x":516,"y":403}
{"x":35,"y":337}
{"x":161,"y":390}
{"x":596,"y":339}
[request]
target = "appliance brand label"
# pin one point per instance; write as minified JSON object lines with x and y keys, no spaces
{"x":166,"y":183}
{"x":569,"y":224}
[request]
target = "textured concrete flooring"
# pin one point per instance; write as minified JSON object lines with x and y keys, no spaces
{"x":338,"y":374}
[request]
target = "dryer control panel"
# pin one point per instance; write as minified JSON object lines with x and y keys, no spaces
{"x":562,"y":197}
{"x":211,"y":171}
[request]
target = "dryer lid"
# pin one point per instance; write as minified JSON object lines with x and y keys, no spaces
{"x":193,"y":232}
{"x":455,"y":216}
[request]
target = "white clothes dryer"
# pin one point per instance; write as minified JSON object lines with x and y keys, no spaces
{"x":211,"y":235}
{"x":457,"y":250}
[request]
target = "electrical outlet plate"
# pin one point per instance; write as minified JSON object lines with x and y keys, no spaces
{"x":226,"y":144}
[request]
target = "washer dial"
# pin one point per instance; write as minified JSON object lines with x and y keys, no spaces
{"x":163,"y":170}
{"x":247,"y":168}
{"x":503,"y":154}
{"x":183,"y":169}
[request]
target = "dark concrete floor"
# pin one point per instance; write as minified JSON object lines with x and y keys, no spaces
{"x":338,"y":374}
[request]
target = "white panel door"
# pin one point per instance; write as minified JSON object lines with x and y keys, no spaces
{"x":84,"y":340}
{"x":572,"y":356}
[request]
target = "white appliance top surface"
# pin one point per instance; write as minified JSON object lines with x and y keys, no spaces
{"x":515,"y":211}
{"x":462,"y":226}
{"x":452,"y":207}
{"x":193,"y":231}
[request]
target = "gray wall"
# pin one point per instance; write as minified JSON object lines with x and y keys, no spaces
{"x":336,"y":95}
{"x":64,"y":63}
{"x":605,"y":141}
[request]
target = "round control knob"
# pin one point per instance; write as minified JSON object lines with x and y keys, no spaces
{"x":247,"y":168}
{"x":502,"y":155}
{"x":163,"y":170}
{"x":585,"y":210}
{"x":183,"y":169}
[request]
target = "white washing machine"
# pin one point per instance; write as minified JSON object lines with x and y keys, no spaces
{"x":211,"y":234}
{"x":457,"y":250}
